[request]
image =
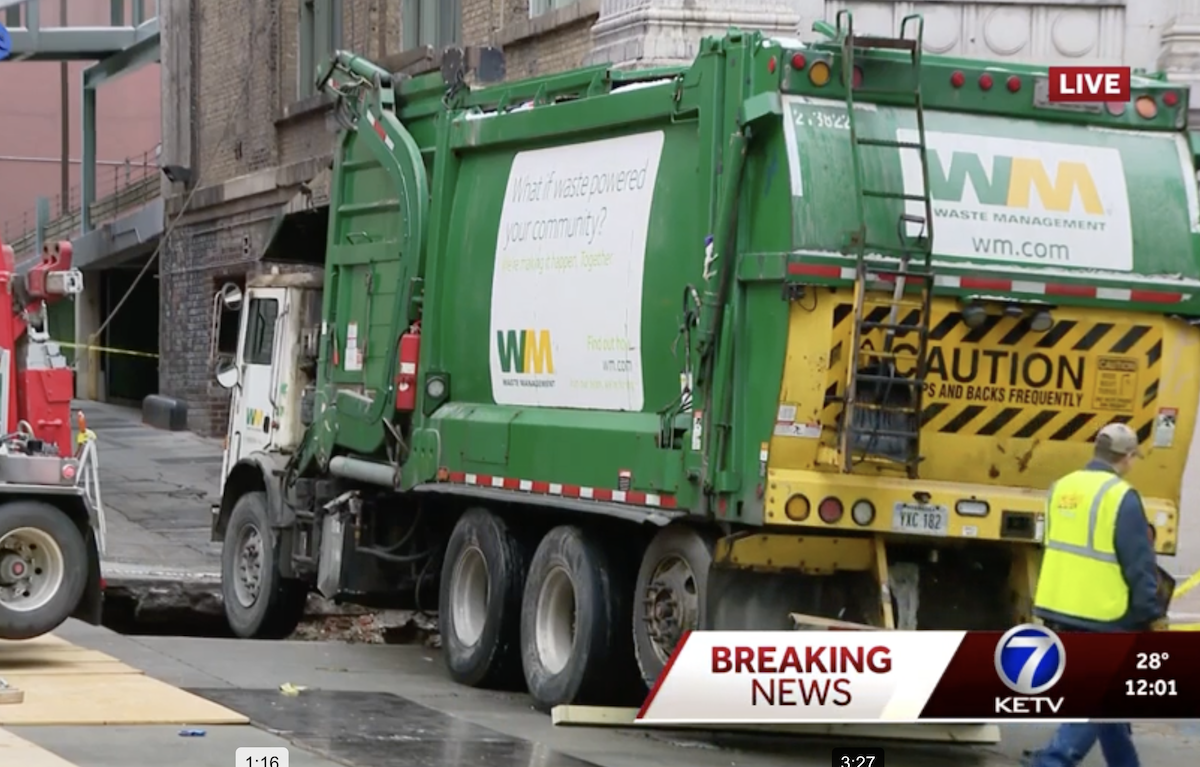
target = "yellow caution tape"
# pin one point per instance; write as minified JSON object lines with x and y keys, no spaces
{"x":1188,"y":585}
{"x":109,"y":350}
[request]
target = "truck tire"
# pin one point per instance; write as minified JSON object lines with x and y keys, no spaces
{"x":668,"y":599}
{"x":574,"y":621}
{"x":479,"y":602}
{"x":45,"y":565}
{"x":259,"y":602}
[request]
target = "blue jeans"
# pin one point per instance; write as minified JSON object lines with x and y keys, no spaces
{"x":1072,"y":742}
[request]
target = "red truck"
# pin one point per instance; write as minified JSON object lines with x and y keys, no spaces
{"x":51,"y":515}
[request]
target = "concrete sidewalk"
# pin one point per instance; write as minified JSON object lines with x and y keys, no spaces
{"x":158,"y":487}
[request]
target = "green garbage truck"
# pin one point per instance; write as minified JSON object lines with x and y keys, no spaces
{"x":796,"y":335}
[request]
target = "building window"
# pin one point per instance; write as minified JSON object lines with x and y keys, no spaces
{"x":260,"y":331}
{"x":539,"y":7}
{"x":320,"y":36}
{"x":436,"y":23}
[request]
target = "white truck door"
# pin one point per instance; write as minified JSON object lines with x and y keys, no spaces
{"x":253,"y":409}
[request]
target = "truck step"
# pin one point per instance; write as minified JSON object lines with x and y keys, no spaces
{"x":899,"y":356}
{"x":886,"y":433}
{"x":886,"y":43}
{"x":897,"y":326}
{"x":888,"y":301}
{"x":872,"y":378}
{"x":894,"y":409}
{"x":885,"y":142}
{"x":881,"y":195}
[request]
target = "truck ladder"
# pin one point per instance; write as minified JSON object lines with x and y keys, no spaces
{"x":885,"y":427}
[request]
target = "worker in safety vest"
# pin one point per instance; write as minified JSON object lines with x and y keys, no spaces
{"x":1099,"y":573}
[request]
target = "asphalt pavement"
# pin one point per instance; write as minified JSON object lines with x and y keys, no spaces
{"x":382,"y":705}
{"x":159,"y":486}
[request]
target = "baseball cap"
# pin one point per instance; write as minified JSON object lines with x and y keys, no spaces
{"x":1119,"y":439}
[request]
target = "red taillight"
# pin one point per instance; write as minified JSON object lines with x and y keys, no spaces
{"x":830,"y":510}
{"x":858,"y":77}
{"x":958,"y":79}
{"x":771,"y":64}
{"x":985,"y":82}
{"x":1170,"y":98}
{"x":1014,"y":84}
{"x":798,"y":61}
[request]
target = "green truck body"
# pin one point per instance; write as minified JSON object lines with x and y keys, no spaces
{"x":642,"y":303}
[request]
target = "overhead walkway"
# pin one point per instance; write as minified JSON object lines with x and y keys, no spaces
{"x":116,"y":212}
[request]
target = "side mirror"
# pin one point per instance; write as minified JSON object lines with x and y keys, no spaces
{"x":227,"y":373}
{"x":231,"y":296}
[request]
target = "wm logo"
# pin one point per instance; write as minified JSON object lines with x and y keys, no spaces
{"x":525,"y":351}
{"x":1012,"y":181}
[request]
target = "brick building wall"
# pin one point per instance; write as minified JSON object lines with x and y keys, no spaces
{"x":254,"y":137}
{"x":253,"y":140}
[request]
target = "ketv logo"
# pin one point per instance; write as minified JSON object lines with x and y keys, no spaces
{"x":525,"y":351}
{"x":1089,"y":84}
{"x":1030,"y":660}
{"x":1012,"y":181}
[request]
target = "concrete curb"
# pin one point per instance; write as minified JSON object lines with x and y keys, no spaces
{"x":166,"y":413}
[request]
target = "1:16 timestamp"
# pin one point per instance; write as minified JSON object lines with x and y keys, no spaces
{"x":261,"y":756}
{"x":1150,"y":688}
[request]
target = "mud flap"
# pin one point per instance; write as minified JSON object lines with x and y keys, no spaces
{"x":757,"y":582}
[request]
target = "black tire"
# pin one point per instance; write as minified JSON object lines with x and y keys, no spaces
{"x":594,"y":652}
{"x":484,"y":652}
{"x":279,"y":605}
{"x":52,"y":522}
{"x":669,"y":603}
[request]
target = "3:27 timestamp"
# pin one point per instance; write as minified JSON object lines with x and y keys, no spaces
{"x":1150,"y":688}
{"x":858,"y":756}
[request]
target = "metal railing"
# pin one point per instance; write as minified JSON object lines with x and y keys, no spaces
{"x":120,"y":188}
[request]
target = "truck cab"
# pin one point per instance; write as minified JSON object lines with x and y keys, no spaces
{"x":269,"y":378}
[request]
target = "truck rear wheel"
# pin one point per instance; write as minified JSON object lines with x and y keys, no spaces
{"x":574,"y":623}
{"x":669,"y":596}
{"x":479,"y":602}
{"x":43,"y":569}
{"x":259,"y":602}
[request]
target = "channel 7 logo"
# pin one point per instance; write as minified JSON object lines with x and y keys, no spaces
{"x":1030,"y":660}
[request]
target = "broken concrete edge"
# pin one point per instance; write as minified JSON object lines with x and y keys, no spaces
{"x":167,"y":413}
{"x":163,"y":591}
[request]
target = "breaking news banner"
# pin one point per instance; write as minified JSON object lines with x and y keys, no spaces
{"x":1028,"y":673}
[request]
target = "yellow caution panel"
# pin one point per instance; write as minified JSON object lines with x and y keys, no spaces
{"x":1000,"y":378}
{"x":1005,"y":402}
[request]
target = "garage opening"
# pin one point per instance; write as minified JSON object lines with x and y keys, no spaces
{"x":130,"y":362}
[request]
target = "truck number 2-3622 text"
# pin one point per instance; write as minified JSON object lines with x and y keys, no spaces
{"x":817,"y":119}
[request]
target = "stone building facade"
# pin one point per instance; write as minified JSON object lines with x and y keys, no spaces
{"x":240,"y":112}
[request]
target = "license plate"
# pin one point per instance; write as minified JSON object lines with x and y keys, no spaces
{"x":920,"y":520}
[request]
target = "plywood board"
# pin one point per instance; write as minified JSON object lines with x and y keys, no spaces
{"x":14,"y":750}
{"x":604,"y":716}
{"x":47,"y":640}
{"x":92,"y":699}
{"x":111,"y":666}
{"x":19,"y":661}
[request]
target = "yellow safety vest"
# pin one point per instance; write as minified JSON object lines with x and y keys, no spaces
{"x":1080,"y":575}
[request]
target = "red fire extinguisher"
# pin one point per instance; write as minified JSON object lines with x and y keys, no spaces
{"x":406,"y":377}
